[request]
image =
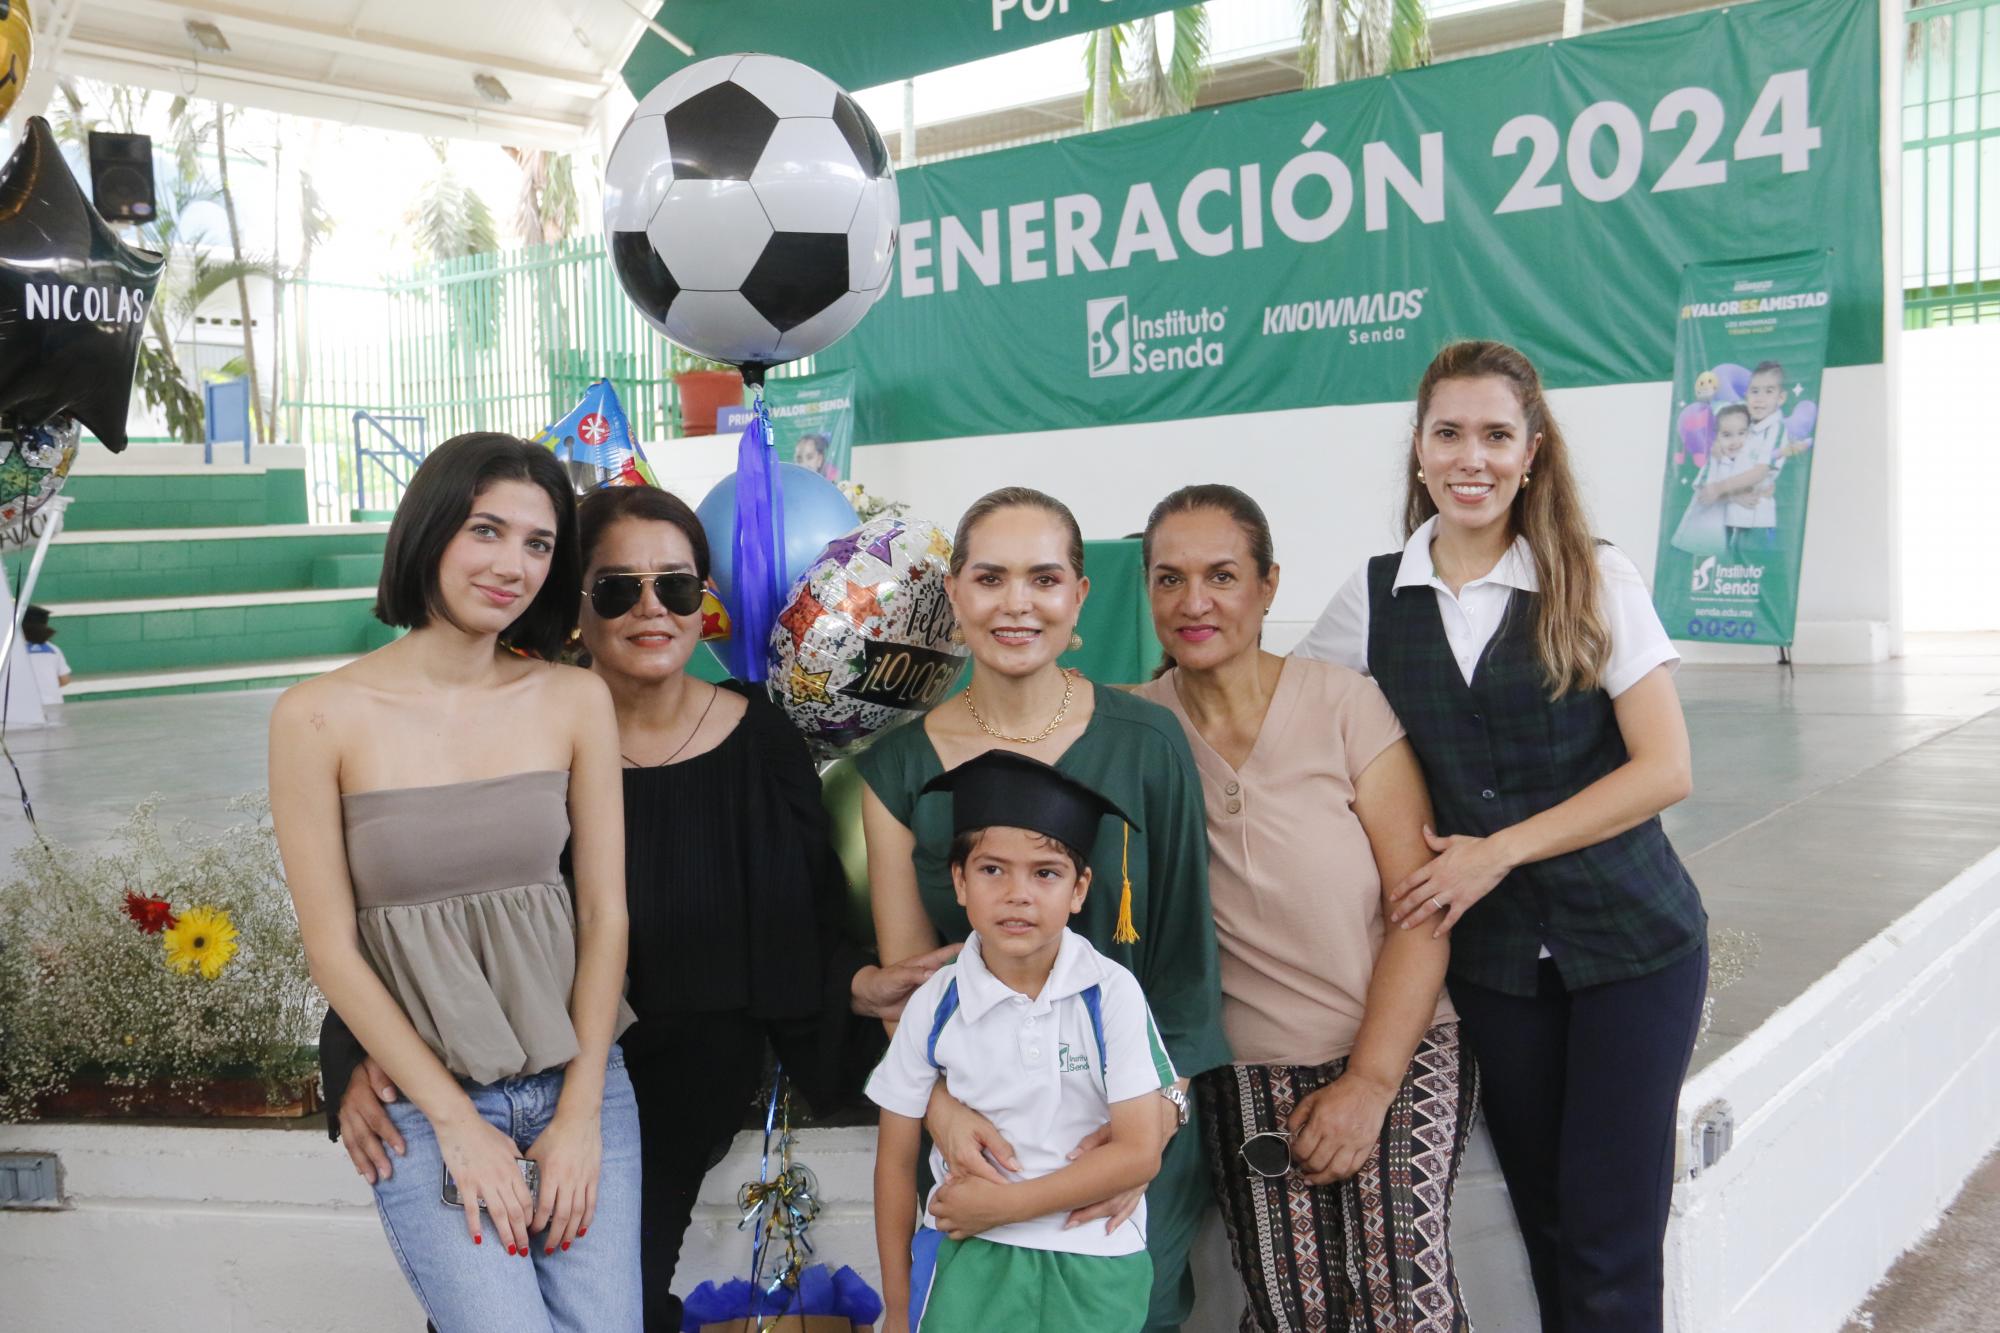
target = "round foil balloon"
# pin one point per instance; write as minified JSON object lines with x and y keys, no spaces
{"x":750,"y":209}
{"x":17,"y":47}
{"x":33,"y":467}
{"x":864,"y":642}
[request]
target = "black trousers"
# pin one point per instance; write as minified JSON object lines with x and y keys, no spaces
{"x":694,"y":1079}
{"x":1580,"y":1090}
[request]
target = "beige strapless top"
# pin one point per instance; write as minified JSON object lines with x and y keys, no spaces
{"x":464,"y":916}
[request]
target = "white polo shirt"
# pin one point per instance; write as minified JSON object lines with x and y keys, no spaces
{"x":1033,"y":1067}
{"x":1472,"y":617}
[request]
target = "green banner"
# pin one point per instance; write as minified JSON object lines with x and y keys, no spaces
{"x":1317,"y":247}
{"x":812,"y":417}
{"x":862,"y":43}
{"x":1751,"y":346}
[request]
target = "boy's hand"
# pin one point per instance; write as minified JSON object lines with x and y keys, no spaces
{"x":966,"y":1206}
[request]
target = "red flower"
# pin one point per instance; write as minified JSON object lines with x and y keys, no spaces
{"x":151,"y":915}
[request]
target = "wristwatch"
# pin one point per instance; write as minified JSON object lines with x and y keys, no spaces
{"x":1180,"y":1101}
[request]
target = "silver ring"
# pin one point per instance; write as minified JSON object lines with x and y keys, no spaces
{"x":1435,"y":903}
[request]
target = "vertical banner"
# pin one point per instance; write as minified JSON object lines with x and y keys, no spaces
{"x":813,"y":419}
{"x":1750,"y":349}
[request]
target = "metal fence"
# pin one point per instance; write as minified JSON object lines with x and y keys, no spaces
{"x":505,"y":341}
{"x":1951,"y":163}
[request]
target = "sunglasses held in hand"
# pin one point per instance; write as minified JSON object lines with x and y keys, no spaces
{"x":614,"y":595}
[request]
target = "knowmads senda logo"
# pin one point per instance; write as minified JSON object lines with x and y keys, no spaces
{"x":1120,"y":343}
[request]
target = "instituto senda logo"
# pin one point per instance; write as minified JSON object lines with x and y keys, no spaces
{"x":1108,"y":320}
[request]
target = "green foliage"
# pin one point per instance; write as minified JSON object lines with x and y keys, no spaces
{"x":1370,"y":37}
{"x":1144,"y":84}
{"x":84,"y":991}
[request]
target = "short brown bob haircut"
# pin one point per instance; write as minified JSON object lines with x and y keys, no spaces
{"x":435,"y":507}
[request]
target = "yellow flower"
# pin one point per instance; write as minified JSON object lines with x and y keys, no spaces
{"x":204,"y":937}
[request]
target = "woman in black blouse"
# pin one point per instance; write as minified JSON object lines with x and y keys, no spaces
{"x":732,"y":886}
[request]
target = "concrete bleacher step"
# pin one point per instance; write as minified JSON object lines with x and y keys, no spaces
{"x":202,"y":680}
{"x":94,"y":566}
{"x":179,"y":633}
{"x":183,"y":494}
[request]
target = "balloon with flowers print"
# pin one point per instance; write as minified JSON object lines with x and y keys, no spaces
{"x":864,"y":642}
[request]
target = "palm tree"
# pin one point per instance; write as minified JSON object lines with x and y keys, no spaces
{"x":1368,"y":37}
{"x":189,"y":277}
{"x":1157,"y":87}
{"x":455,"y":231}
{"x":548,"y":208}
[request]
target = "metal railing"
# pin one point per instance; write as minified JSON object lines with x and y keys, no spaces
{"x":1951,"y":163}
{"x":381,"y":473}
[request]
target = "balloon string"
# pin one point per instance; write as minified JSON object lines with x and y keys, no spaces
{"x":7,"y":693}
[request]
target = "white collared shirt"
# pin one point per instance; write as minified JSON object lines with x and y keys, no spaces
{"x":1032,"y":1067}
{"x":1472,"y":617}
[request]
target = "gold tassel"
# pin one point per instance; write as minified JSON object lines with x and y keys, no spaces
{"x":1126,"y":933}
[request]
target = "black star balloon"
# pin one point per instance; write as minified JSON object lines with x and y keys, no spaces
{"x":73,"y":297}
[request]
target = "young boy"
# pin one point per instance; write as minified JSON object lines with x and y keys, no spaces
{"x":1046,"y":1038}
{"x":51,"y":667}
{"x":1734,"y":478}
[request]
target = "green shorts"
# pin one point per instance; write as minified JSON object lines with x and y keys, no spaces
{"x":976,"y":1286}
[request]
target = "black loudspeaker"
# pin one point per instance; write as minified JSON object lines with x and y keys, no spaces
{"x":121,"y":176}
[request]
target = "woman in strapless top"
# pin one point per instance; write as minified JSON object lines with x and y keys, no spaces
{"x":423,"y":795}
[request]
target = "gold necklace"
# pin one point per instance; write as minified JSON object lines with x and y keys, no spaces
{"x":1069,"y":685}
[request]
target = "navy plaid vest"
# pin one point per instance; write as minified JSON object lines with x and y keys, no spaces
{"x":1498,"y":751}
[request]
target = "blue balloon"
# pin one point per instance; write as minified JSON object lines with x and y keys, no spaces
{"x":815,"y":513}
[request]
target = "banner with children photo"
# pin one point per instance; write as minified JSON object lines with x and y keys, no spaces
{"x":1750,"y":350}
{"x":812,"y":417}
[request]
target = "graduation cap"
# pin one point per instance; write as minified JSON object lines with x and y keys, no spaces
{"x":1002,"y":789}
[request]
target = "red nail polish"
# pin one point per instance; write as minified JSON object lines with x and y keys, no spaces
{"x":510,"y":1249}
{"x":566,"y":1243}
{"x":476,"y":1240}
{"x":583,"y":1231}
{"x":548,"y":1251}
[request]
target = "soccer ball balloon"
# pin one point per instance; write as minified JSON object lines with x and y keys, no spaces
{"x":750,"y":209}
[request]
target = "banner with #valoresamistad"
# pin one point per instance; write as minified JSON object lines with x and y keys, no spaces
{"x":1750,"y":350}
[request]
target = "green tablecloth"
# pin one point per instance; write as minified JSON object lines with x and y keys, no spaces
{"x":1117,"y":625}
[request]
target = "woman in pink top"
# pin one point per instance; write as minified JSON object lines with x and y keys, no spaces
{"x":1335,"y":1137}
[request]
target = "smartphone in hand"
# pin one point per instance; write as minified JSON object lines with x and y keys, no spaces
{"x":531,"y":1172}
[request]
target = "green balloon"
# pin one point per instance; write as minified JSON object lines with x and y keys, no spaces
{"x":840,"y":789}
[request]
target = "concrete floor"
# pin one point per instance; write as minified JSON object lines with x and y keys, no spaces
{"x":1950,"y":1283}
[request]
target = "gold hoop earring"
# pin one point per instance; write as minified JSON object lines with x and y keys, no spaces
{"x":1075,"y":641}
{"x":957,"y":635}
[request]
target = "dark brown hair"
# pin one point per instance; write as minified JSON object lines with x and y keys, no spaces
{"x":1226,"y":500}
{"x":597,"y":511}
{"x":965,"y":842}
{"x":439,"y":499}
{"x":1016,"y":497}
{"x":1571,"y":637}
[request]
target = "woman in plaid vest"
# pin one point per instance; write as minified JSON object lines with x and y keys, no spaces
{"x":1526,"y":663}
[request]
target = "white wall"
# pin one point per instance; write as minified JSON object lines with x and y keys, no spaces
{"x":1329,"y":480}
{"x":1947,"y":424}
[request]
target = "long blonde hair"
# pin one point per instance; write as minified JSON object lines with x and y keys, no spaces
{"x":1571,"y":638}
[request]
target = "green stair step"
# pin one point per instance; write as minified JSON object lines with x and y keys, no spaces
{"x":263,"y":675}
{"x":357,"y":570}
{"x":83,"y":567}
{"x":200,"y":497}
{"x":100,"y":637}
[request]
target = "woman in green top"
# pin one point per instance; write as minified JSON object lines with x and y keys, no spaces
{"x":1017,"y":586}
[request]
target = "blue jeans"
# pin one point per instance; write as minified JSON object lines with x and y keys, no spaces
{"x":465,"y":1288}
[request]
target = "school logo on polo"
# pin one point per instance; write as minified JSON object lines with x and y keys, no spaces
{"x":1117,"y":342}
{"x":1071,"y":1063}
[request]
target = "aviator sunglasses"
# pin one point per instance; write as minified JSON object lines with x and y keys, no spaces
{"x":1268,"y":1154}
{"x":613,"y":595}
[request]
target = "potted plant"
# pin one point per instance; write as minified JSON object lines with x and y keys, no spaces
{"x":704,"y":386}
{"x":160,"y":976}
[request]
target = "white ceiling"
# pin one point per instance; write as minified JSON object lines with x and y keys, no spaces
{"x":394,"y":64}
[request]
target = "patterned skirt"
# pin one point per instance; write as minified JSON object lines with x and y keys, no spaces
{"x":1367,"y":1255}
